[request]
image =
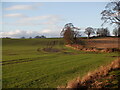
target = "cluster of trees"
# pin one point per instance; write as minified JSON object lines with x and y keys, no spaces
{"x":42,"y":36}
{"x":71,"y":33}
{"x":111,"y":15}
{"x":101,"y":32}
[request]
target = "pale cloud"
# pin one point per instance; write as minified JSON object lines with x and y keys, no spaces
{"x":23,"y":7}
{"x":35,"y":18}
{"x":55,"y":0}
{"x":25,"y":33}
{"x":1,"y":22}
{"x":18,"y":33}
{"x":46,"y":31}
{"x":15,"y":15}
{"x":50,"y":26}
{"x":52,"y":18}
{"x":46,"y":20}
{"x":20,"y":24}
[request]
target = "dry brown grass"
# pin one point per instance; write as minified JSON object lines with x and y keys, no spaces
{"x":103,"y":42}
{"x":91,"y":80}
{"x":98,"y":45}
{"x":75,"y":46}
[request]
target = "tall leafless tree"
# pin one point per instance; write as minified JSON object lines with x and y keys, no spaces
{"x":70,"y":33}
{"x":111,"y":14}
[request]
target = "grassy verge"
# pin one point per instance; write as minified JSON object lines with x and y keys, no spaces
{"x":106,"y":77}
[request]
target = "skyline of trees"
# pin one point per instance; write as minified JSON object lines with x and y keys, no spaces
{"x":97,"y":32}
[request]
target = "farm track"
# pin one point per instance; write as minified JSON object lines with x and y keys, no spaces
{"x":22,"y":60}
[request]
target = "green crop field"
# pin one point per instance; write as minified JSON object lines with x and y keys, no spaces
{"x":27,"y":65}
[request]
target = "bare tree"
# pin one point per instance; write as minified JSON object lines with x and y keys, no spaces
{"x":70,"y":33}
{"x":116,"y":31}
{"x":102,"y":32}
{"x":89,"y":31}
{"x":111,"y":14}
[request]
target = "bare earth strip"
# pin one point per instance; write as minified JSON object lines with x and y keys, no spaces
{"x":104,"y":43}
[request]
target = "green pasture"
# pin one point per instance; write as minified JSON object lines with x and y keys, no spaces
{"x":27,"y":65}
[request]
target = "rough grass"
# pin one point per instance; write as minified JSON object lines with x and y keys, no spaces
{"x":105,"y":77}
{"x":40,"y":69}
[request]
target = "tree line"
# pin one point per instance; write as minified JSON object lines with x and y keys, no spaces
{"x":71,"y":33}
{"x":42,"y":36}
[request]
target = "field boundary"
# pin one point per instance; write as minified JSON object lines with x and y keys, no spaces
{"x":91,"y":80}
{"x":92,"y":49}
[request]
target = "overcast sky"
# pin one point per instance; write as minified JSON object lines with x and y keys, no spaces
{"x":48,"y":18}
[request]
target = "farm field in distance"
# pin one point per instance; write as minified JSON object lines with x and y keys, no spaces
{"x":27,"y":65}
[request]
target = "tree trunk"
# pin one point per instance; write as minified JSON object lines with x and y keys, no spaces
{"x":88,"y":36}
{"x":119,"y":31}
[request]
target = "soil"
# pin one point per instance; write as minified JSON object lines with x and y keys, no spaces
{"x":51,"y":50}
